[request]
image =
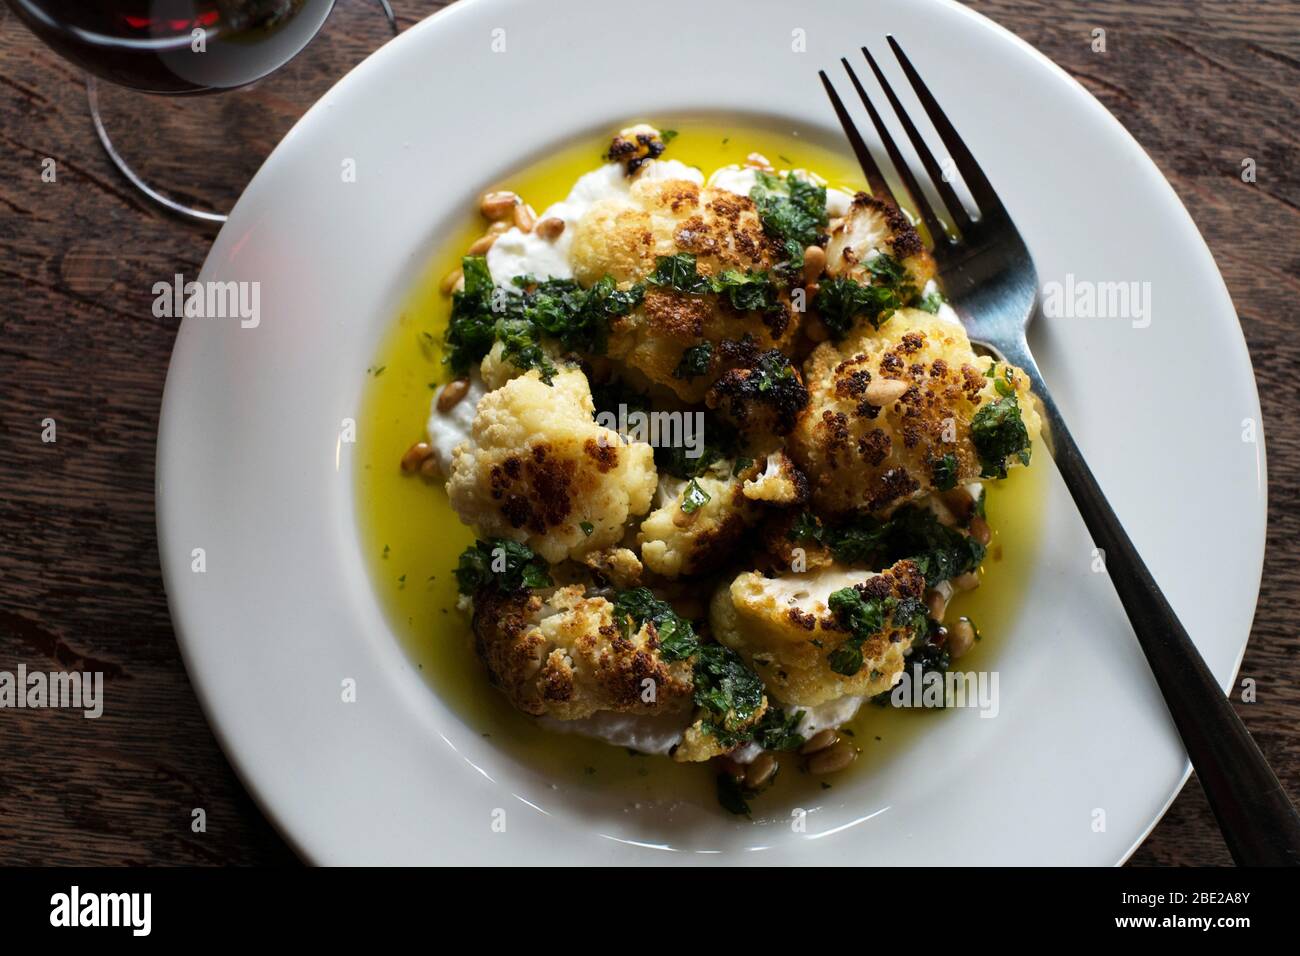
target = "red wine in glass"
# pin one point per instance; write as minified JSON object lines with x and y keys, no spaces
{"x":176,"y":46}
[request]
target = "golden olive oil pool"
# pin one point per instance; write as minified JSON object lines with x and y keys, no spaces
{"x":413,"y":538}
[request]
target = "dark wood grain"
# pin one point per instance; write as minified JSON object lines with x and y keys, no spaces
{"x":1201,"y":85}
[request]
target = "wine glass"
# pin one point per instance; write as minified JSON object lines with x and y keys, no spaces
{"x":175,"y":47}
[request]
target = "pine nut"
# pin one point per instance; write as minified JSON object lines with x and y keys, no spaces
{"x":452,"y":393}
{"x":759,"y":161}
{"x":760,"y":773}
{"x":832,"y":759}
{"x":482,"y":244}
{"x":550,"y":228}
{"x":497,"y":228}
{"x":416,"y":455}
{"x":814,"y":263}
{"x":498,"y":205}
{"x":525,"y":218}
{"x":961,"y":637}
{"x":980,"y":531}
{"x":937,"y":604}
{"x":430,"y":468}
{"x":736,"y":771}
{"x":826,"y":737}
{"x":966,"y":582}
{"x":885,"y":391}
{"x":450,"y":280}
{"x":960,"y":501}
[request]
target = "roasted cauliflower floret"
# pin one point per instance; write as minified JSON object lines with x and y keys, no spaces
{"x":635,"y":146}
{"x":537,"y":469}
{"x":720,"y":233}
{"x":875,"y":226}
{"x":908,"y":409}
{"x":565,"y":655}
{"x":778,"y":482}
{"x":760,"y":392}
{"x":786,"y":629}
{"x":619,"y":566}
{"x":695,"y":526}
{"x":496,"y":369}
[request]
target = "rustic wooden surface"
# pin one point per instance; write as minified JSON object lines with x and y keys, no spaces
{"x":1201,"y":85}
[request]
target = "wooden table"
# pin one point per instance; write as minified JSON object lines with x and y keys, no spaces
{"x":1201,"y":85}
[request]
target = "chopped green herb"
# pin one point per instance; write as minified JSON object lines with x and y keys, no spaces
{"x":793,"y":211}
{"x":841,"y":301}
{"x":998,"y":432}
{"x":694,"y":498}
{"x":731,"y":795}
{"x":777,"y":730}
{"x":525,"y":312}
{"x":864,"y":617}
{"x":679,"y":272}
{"x":694,"y":362}
{"x":636,"y":606}
{"x":502,"y":564}
{"x":912,"y":532}
{"x":945,"y":472}
{"x":728,"y":690}
{"x":931,"y":302}
{"x":587,"y":527}
{"x":747,"y":291}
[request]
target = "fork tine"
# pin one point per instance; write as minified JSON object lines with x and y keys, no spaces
{"x":949,"y":195}
{"x":919,"y":201}
{"x":875,"y":178}
{"x":981,"y":189}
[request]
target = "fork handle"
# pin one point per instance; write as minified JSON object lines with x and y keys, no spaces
{"x":1259,"y":823}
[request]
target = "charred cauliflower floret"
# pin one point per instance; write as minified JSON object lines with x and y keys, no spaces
{"x":619,"y":566}
{"x":873,"y":226}
{"x":567,"y":656}
{"x":635,"y":146}
{"x":704,"y":259}
{"x":696,"y":525}
{"x":908,"y":409}
{"x":761,"y":392}
{"x":777,"y":482}
{"x":818,"y":636}
{"x":539,"y":470}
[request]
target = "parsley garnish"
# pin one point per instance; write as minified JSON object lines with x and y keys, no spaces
{"x":677,"y":638}
{"x":694,"y":498}
{"x":945,"y":472}
{"x":728,"y":690}
{"x":793,"y":211}
{"x":912,"y":533}
{"x":500,"y":563}
{"x":867,"y":616}
{"x":521,"y":314}
{"x":694,"y":361}
{"x":746,"y":291}
{"x":998,"y":432}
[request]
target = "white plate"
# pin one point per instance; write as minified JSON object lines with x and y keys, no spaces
{"x":251,"y":469}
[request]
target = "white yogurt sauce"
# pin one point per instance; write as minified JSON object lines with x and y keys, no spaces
{"x":946,"y":311}
{"x":656,"y":734}
{"x":742,"y":179}
{"x":518,"y":253}
{"x":448,"y":429}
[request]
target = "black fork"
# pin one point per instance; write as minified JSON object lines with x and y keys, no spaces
{"x":988,"y":275}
